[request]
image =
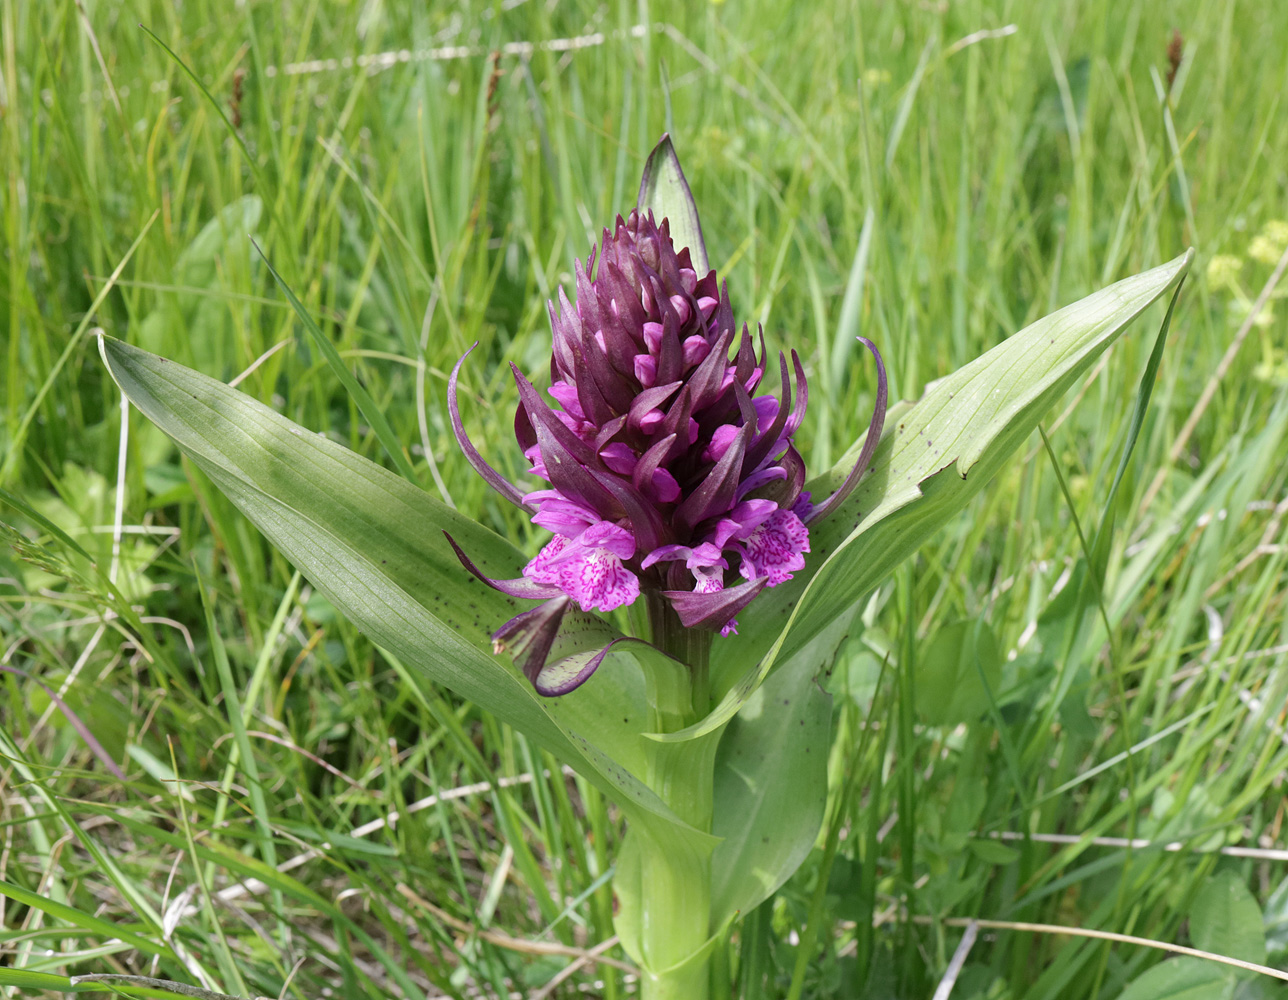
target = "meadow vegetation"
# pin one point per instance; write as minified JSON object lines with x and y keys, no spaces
{"x":300,"y":815}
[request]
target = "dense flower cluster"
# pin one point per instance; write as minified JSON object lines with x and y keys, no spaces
{"x":666,"y":471}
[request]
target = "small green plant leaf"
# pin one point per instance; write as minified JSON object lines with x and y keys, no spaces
{"x":664,"y":191}
{"x":1226,"y":920}
{"x":1182,"y":979}
{"x":952,"y":671}
{"x":993,"y":852}
{"x":934,"y":457}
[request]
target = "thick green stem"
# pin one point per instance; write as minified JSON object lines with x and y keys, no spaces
{"x":675,"y":907}
{"x":673,"y":893}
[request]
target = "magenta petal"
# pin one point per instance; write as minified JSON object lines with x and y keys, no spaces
{"x":666,"y":553}
{"x":776,"y":548}
{"x":611,"y":537}
{"x":664,"y":488}
{"x":715,"y":610}
{"x":619,"y":457}
{"x":595,"y":578}
{"x":494,"y":479}
{"x":565,"y":394}
{"x":869,"y":442}
{"x":564,"y":517}
{"x":521,"y":587}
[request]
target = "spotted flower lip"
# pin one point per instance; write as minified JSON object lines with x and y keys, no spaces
{"x":668,"y":469}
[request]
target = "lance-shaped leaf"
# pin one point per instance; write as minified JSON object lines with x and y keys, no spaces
{"x":665,"y":192}
{"x":932,"y":460}
{"x":374,"y":545}
{"x":771,"y":780}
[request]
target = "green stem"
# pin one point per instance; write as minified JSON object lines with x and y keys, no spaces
{"x":675,"y":907}
{"x":673,"y":895}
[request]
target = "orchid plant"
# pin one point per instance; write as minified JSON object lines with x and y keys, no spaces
{"x":696,"y":579}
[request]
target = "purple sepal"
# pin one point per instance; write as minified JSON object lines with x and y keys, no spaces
{"x":568,"y":460}
{"x":527,"y":637}
{"x":869,"y":442}
{"x":802,"y":397}
{"x":570,"y":672}
{"x":494,"y":479}
{"x":769,"y":439}
{"x":645,"y":520}
{"x":717,"y":492}
{"x":714,"y":610}
{"x":521,"y":587}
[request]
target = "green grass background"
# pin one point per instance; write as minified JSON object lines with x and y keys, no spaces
{"x":418,"y":194}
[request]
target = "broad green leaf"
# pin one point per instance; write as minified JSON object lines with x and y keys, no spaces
{"x":664,"y":190}
{"x":1182,"y":979}
{"x":771,"y":780}
{"x":931,"y":462}
{"x":373,"y":544}
{"x":1226,"y":920}
{"x":951,"y":673}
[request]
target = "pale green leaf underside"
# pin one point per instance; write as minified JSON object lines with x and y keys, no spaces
{"x":373,"y":544}
{"x":931,"y":461}
{"x":664,"y":191}
{"x":771,"y":780}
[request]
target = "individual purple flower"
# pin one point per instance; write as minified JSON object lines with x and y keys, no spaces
{"x":665,"y":470}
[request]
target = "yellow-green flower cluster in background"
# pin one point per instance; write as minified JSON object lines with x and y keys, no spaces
{"x":1269,"y":244}
{"x":1224,"y":272}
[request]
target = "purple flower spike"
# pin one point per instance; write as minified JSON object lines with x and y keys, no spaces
{"x":665,"y":471}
